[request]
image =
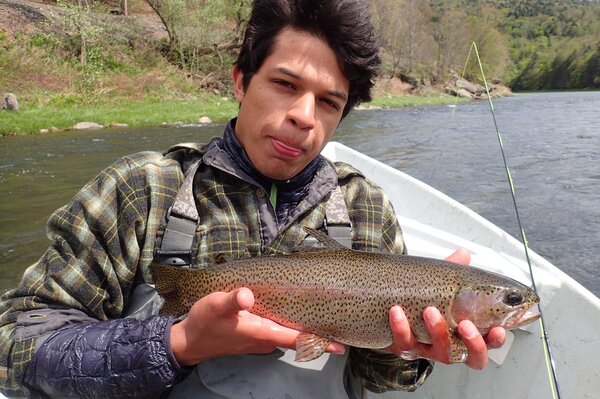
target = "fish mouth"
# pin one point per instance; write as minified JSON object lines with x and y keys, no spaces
{"x":521,"y":318}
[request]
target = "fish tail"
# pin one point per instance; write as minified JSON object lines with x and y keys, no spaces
{"x":165,"y":282}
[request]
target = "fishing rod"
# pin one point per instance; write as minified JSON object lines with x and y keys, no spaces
{"x":551,"y":368}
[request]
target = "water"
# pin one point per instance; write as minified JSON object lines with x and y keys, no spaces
{"x":552,"y":141}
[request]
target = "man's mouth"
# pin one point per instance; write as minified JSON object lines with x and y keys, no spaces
{"x":285,"y":149}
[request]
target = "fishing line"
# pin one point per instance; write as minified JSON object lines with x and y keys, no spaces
{"x":551,"y":369}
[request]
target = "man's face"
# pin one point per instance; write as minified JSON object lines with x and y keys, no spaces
{"x":292,"y":105}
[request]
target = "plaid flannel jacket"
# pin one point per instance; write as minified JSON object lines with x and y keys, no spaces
{"x":103,"y":242}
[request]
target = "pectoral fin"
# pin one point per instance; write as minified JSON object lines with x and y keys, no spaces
{"x":310,"y":346}
{"x":458,"y":350}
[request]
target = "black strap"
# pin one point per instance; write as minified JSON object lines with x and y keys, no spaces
{"x":182,"y":220}
{"x":337,"y":219}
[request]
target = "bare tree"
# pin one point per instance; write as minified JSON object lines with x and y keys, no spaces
{"x":453,"y":35}
{"x":404,"y":27}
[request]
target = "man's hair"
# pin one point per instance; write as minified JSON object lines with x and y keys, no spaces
{"x":345,"y":25}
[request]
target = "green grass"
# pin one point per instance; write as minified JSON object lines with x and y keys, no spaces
{"x":413,"y":101}
{"x":63,"y":113}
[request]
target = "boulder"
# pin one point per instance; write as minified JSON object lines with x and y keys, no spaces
{"x":116,"y":124}
{"x":464,"y":93}
{"x":10,"y":102}
{"x":87,"y":125}
{"x":468,"y":86}
{"x":205,"y":120}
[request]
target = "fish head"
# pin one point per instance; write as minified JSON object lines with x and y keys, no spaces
{"x":502,"y":302}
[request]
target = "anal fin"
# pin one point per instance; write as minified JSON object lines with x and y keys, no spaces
{"x":310,"y":346}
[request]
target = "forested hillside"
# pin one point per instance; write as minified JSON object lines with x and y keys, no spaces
{"x":133,"y":45}
{"x":528,"y":44}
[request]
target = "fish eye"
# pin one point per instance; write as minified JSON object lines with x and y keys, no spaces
{"x":513,"y":298}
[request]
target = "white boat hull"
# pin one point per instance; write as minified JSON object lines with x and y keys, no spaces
{"x":435,"y":225}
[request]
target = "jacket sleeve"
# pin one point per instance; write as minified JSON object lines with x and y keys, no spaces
{"x":377,"y":229}
{"x":113,"y":358}
{"x":101,"y":247}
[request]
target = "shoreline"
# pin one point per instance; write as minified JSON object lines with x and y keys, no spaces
{"x":63,"y":114}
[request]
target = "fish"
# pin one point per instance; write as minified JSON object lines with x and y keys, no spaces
{"x":338,"y":294}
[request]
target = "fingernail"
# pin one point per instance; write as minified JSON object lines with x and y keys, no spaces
{"x":339,"y":349}
{"x":432,"y":316}
{"x":397,"y":315}
{"x":469,"y":330}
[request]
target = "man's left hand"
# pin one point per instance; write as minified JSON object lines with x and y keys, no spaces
{"x":438,"y":350}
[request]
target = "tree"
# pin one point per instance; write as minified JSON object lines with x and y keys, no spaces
{"x":405,"y":30}
{"x":453,"y":35}
{"x":203,"y":34}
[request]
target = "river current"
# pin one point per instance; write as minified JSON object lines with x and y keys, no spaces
{"x":552,"y":143}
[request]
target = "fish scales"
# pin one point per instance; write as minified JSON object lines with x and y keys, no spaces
{"x":345,"y":295}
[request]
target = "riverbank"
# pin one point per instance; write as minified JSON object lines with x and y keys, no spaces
{"x":127,"y":78}
{"x":63,"y":113}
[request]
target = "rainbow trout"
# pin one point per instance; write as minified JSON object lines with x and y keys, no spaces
{"x":343,"y":295}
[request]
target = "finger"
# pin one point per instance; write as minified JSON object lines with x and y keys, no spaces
{"x":460,"y":256}
{"x":222,"y":303}
{"x":438,"y":332}
{"x":436,"y":326}
{"x":276,"y":335}
{"x":404,"y":340}
{"x":244,"y":299}
{"x":496,"y":337}
{"x":336,"y":348}
{"x":476,"y":346}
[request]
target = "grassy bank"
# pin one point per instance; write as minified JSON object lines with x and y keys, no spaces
{"x":122,"y":84}
{"x":62,"y":113}
{"x":151,"y":111}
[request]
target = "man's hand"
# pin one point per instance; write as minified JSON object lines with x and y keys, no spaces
{"x":438,"y":350}
{"x":220,"y":325}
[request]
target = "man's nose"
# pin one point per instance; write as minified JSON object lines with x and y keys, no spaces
{"x":302,"y":113}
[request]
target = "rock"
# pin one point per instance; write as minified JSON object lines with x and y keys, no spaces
{"x":450,"y":90}
{"x":205,"y":120}
{"x":54,"y":129}
{"x":501,"y":91}
{"x":464,"y":93}
{"x":468,"y":86}
{"x":87,"y":125}
{"x":119,"y":125}
{"x":44,"y":131}
{"x":10,"y":102}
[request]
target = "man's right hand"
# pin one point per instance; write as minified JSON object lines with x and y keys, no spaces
{"x":220,"y":325}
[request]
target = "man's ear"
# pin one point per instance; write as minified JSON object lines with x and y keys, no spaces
{"x":238,"y":84}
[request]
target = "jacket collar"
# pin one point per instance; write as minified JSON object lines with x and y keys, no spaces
{"x":315,"y":181}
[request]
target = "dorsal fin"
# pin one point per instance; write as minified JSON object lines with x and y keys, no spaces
{"x":324,"y":239}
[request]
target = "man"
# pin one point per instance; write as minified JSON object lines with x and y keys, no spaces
{"x":302,"y":67}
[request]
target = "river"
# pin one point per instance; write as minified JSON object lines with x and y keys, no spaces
{"x":552,"y":141}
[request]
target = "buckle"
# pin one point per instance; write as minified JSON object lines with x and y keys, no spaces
{"x":173,"y":258}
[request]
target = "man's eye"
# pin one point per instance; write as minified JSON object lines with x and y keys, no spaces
{"x":283,"y":83}
{"x":332,"y":104}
